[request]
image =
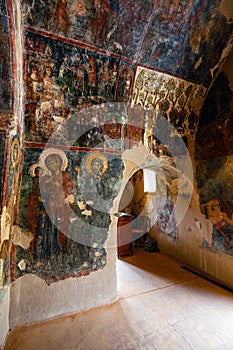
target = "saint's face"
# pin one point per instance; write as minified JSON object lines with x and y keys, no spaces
{"x":53,"y":163}
{"x":97,"y":166}
{"x":15,"y":153}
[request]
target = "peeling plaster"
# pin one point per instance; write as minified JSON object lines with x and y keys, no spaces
{"x":21,"y":238}
{"x":5,"y":225}
{"x":4,"y":314}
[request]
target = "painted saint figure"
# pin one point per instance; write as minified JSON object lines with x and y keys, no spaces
{"x":54,"y":196}
{"x":102,"y":10}
{"x":62,"y":17}
{"x":34,"y":200}
{"x":13,"y":172}
{"x":92,"y":76}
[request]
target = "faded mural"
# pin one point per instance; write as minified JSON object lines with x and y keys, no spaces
{"x":214,"y":149}
{"x":216,"y":198}
{"x":61,"y":194}
{"x":193,"y":28}
{"x":2,"y":163}
{"x":5,"y":60}
{"x":8,"y":210}
{"x":80,"y":63}
{"x":182,"y":31}
{"x":172,"y":108}
{"x":62,"y":79}
{"x":5,"y":124}
{"x":173,"y":99}
{"x":116,"y":26}
{"x":4,"y":258}
{"x":214,"y":137}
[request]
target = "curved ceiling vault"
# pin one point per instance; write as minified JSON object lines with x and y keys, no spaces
{"x":189,"y":39}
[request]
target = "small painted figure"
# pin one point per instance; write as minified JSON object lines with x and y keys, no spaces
{"x":13,"y":172}
{"x":50,"y":219}
{"x":105,"y":80}
{"x":78,"y":15}
{"x":123,"y":86}
{"x":113,"y":78}
{"x":62,"y":17}
{"x":57,"y":190}
{"x":220,"y":221}
{"x":78,"y":81}
{"x":33,"y":84}
{"x":102,"y":9}
{"x":34,"y":200}
{"x":92,"y":77}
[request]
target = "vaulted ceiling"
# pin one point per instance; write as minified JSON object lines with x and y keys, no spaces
{"x":187,"y":38}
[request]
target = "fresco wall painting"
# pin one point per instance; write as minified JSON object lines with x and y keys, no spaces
{"x":61,"y":194}
{"x":173,"y":99}
{"x":7,"y":125}
{"x":214,"y":137}
{"x":67,"y":84}
{"x":193,"y":30}
{"x":172,"y":106}
{"x":183,"y":31}
{"x":63,"y":79}
{"x":2,"y":163}
{"x":216,"y":193}
{"x":3,"y":262}
{"x":5,"y":60}
{"x":8,"y":202}
{"x":116,"y":26}
{"x":214,"y":149}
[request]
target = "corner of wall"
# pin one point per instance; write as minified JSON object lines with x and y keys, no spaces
{"x":4,"y":315}
{"x":32,"y":300}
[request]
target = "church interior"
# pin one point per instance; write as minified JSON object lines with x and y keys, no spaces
{"x":116,"y":166}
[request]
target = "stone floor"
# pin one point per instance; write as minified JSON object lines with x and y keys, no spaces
{"x":161,"y":306}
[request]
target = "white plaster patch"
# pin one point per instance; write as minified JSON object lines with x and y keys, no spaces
{"x":197,"y":223}
{"x":1,"y":272}
{"x":22,"y":265}
{"x":86,"y":212}
{"x":5,"y":226}
{"x":208,"y":232}
{"x":21,"y":238}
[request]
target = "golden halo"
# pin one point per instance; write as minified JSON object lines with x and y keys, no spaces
{"x":15,"y":143}
{"x":96,"y":157}
{"x":33,"y":168}
{"x":49,"y":151}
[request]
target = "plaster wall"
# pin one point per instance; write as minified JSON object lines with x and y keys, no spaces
{"x":32,"y":300}
{"x":4,"y":315}
{"x":193,"y":229}
{"x":188,"y":249}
